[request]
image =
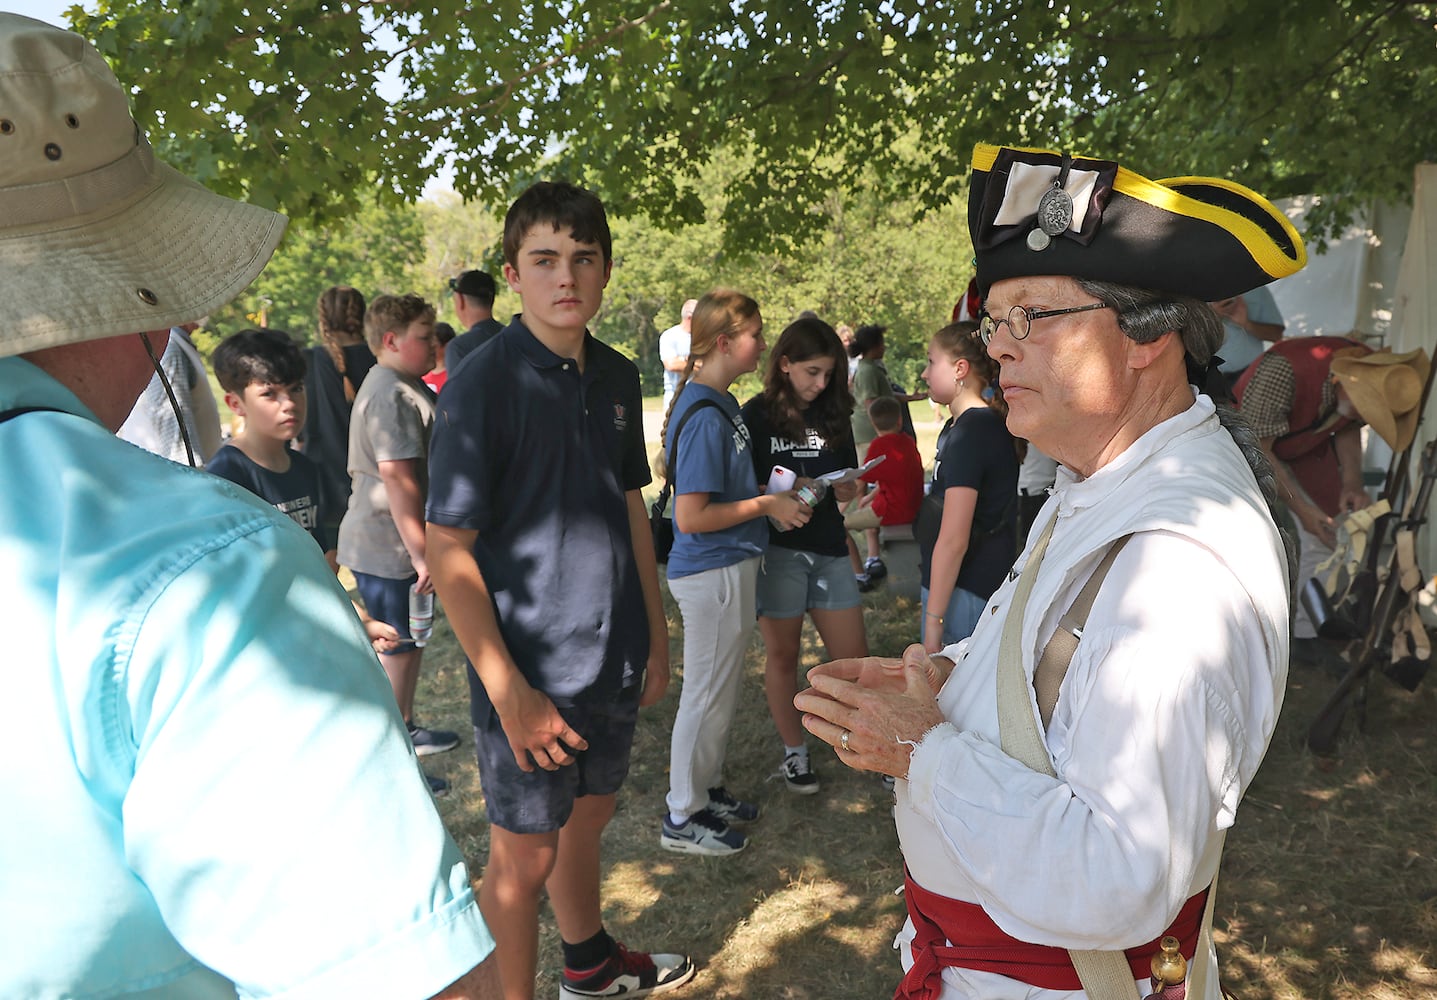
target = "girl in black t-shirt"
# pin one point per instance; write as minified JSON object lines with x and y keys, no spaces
{"x":333,"y":374}
{"x":966,"y":527}
{"x":801,"y":422}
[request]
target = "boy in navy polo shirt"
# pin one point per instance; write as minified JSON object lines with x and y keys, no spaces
{"x":539,"y":546}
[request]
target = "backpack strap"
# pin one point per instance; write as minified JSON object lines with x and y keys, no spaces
{"x":671,"y":471}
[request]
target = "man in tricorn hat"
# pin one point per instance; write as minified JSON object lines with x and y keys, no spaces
{"x":207,"y":788}
{"x":1068,"y":772}
{"x":1306,"y":400}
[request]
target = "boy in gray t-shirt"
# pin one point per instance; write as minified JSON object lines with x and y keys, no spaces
{"x":381,"y":538}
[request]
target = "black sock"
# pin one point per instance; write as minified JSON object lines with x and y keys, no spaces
{"x":588,"y":954}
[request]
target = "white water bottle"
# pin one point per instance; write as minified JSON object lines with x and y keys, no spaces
{"x":421,"y":616}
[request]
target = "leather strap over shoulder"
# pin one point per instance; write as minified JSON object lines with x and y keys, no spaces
{"x":1053,"y":664}
{"x":1105,"y":975}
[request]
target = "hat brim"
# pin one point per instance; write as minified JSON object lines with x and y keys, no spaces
{"x":1359,"y":379}
{"x":172,"y":254}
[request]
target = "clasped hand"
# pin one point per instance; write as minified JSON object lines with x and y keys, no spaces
{"x":880,"y":702}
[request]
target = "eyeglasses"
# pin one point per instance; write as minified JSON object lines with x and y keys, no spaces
{"x":1020,"y":320}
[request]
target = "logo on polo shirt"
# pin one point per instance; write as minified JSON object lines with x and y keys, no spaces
{"x":621,"y":419}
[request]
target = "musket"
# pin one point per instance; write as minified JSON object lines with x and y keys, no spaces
{"x":1376,"y":638}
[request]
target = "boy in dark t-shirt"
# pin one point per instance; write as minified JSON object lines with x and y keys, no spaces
{"x":538,"y":543}
{"x":262,"y":375}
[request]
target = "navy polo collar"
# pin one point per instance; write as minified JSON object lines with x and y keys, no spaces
{"x":539,"y":355}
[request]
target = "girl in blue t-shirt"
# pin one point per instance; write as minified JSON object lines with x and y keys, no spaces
{"x":719,"y":535}
{"x":801,"y":422}
{"x":966,"y":527}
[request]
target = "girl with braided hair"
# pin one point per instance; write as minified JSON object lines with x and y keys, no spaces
{"x":334,"y":372}
{"x":720,"y":536}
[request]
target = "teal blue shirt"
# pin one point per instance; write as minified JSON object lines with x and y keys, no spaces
{"x":207,"y":787}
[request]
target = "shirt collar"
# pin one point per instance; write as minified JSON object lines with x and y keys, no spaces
{"x":1074,"y":493}
{"x":538,"y":355}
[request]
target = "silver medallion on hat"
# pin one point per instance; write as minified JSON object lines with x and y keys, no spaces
{"x":1055,"y":212}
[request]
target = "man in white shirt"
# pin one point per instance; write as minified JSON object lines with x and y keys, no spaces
{"x":674,"y":351}
{"x":155,"y":425}
{"x":1064,"y":789}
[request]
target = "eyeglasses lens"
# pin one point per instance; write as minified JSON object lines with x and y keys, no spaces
{"x":1018,"y":324}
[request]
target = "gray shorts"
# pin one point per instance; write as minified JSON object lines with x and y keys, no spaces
{"x":791,"y":582}
{"x":541,"y":801}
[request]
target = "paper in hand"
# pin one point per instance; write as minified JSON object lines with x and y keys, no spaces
{"x":849,"y":475}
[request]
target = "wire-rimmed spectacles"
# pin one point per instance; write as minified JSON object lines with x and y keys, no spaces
{"x":1020,"y":320}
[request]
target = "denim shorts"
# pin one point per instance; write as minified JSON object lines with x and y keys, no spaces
{"x":541,"y":801}
{"x":791,"y":582}
{"x":961,"y":616}
{"x":387,"y":600}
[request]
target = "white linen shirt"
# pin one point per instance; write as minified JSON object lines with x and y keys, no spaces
{"x":1163,"y":717}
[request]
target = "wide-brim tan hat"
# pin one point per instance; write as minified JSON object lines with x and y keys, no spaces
{"x":1387,"y":389}
{"x":97,"y":237}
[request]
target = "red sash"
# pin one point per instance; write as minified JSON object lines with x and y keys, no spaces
{"x":986,"y":948}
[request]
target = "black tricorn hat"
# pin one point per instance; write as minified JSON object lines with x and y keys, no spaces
{"x":1037,"y":212}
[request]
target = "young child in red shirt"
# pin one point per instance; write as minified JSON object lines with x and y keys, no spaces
{"x":898,"y":487}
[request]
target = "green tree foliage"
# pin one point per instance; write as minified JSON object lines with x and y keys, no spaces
{"x":285,"y":103}
{"x":862,"y":260}
{"x":380,"y":249}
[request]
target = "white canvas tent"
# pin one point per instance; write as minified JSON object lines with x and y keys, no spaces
{"x":1414,"y":313}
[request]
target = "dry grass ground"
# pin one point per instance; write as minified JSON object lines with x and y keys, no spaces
{"x":1329,"y":888}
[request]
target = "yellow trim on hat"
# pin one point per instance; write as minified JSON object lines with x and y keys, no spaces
{"x":1255,"y":240}
{"x":1265,"y":251}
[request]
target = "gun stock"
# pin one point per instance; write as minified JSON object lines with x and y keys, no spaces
{"x":1322,"y":734}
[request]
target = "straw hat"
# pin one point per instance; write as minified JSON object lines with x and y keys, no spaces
{"x":1387,"y":389}
{"x":1038,"y":212}
{"x":97,"y":237}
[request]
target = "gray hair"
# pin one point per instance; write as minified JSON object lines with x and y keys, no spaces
{"x":1144,"y":316}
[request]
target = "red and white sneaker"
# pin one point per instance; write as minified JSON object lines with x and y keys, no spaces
{"x":628,"y":974}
